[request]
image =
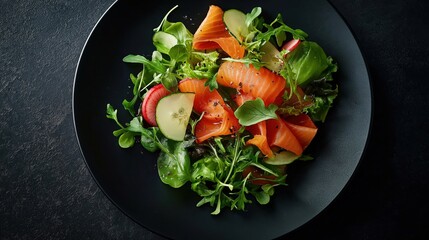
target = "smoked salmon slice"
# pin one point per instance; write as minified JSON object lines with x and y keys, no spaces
{"x":303,"y":128}
{"x":261,"y":142}
{"x":218,"y":118}
{"x":209,"y":102}
{"x":240,"y":98}
{"x":260,"y":82}
{"x":212,"y":34}
{"x":207,"y":127}
{"x":279,"y":134}
{"x":259,"y":132}
{"x":302,"y":120}
{"x":304,"y":134}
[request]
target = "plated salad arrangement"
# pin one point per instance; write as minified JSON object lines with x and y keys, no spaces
{"x":229,"y":106}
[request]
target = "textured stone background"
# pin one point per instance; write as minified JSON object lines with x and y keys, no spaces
{"x":46,"y":191}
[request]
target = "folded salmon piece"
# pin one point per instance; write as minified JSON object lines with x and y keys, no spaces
{"x":212,"y":34}
{"x":218,"y":118}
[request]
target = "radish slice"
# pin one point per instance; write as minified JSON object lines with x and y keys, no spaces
{"x":149,"y":103}
{"x":291,"y":45}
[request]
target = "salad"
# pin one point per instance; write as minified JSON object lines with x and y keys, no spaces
{"x":229,"y":106}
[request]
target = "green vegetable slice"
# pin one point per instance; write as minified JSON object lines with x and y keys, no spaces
{"x":235,"y":22}
{"x":281,"y":158}
{"x":172,"y":114}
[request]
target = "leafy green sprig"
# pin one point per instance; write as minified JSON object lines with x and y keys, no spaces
{"x":218,"y":177}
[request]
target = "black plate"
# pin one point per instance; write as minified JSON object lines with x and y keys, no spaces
{"x":129,"y":177}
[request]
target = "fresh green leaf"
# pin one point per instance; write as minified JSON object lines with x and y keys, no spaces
{"x":149,"y":139}
{"x":318,"y":111}
{"x":254,"y":111}
{"x":136,"y":125}
{"x":164,"y":19}
{"x":181,"y":33}
{"x":164,"y":41}
{"x":278,"y":26}
{"x":212,"y":83}
{"x":268,"y":189}
{"x":250,"y":17}
{"x":324,"y":95}
{"x":307,"y":63}
{"x":200,"y":65}
{"x":119,"y":132}
{"x":129,"y":105}
{"x":111,"y":113}
{"x":153,"y":66}
{"x":148,"y":143}
{"x":134,"y":80}
{"x":169,"y":81}
{"x":126,"y":140}
{"x":262,"y":197}
{"x":174,"y":164}
{"x":241,"y":200}
{"x":179,"y":53}
{"x":207,"y":169}
{"x":157,"y":56}
{"x":218,"y":141}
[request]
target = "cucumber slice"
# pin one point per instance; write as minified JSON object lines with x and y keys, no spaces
{"x":235,"y":22}
{"x":271,"y":57}
{"x":281,"y":158}
{"x":172,"y":114}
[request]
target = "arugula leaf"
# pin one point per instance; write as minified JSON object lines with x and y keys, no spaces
{"x":112,"y":113}
{"x":212,"y":83}
{"x":129,"y":105}
{"x":324,"y":93}
{"x":319,"y":109}
{"x":154,"y":65}
{"x":164,"y":19}
{"x":278,"y":31}
{"x":152,"y":69}
{"x":199,"y":65}
{"x":254,"y":111}
{"x":126,"y":135}
{"x":241,"y":200}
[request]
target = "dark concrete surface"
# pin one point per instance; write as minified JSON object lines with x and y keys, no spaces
{"x":47,"y":192}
